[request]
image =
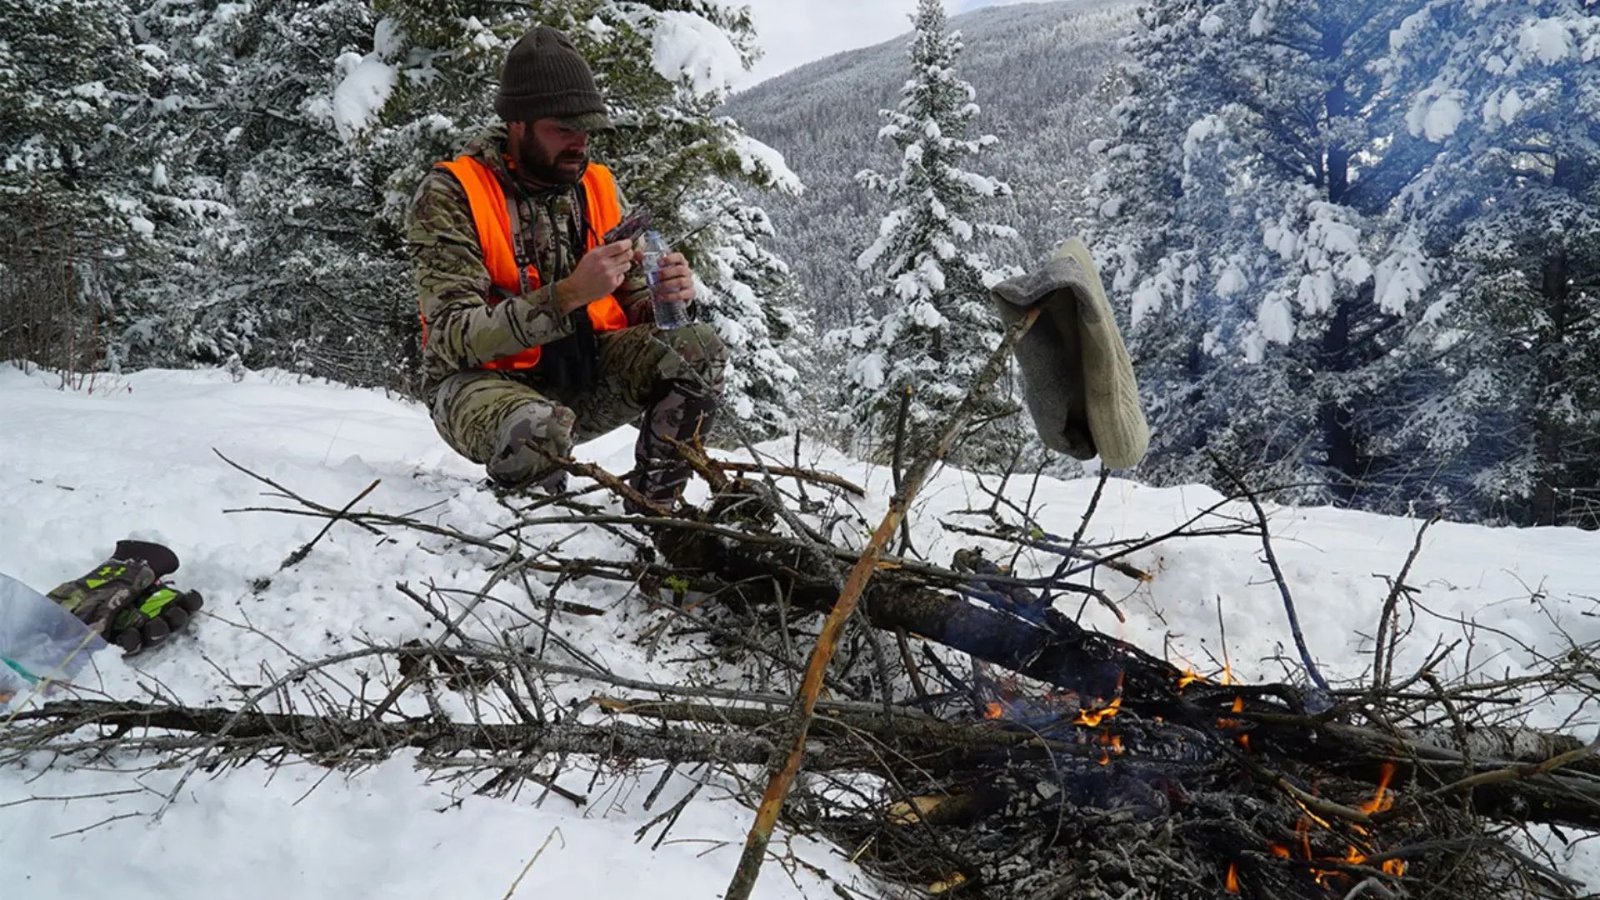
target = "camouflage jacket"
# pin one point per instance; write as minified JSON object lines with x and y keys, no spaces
{"x":453,"y":285}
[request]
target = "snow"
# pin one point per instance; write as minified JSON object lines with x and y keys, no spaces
{"x":388,"y":38}
{"x":1231,"y":281}
{"x":1506,"y":110}
{"x":1315,"y":293}
{"x":132,"y":455}
{"x":1437,"y":119}
{"x":361,"y":94}
{"x":687,"y":45}
{"x":1148,"y":298}
{"x":258,"y":833}
{"x":1548,"y":40}
{"x":1276,"y":321}
{"x":755,"y":156}
{"x":1402,"y":277}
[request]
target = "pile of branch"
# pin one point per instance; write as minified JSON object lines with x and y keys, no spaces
{"x":974,"y":736}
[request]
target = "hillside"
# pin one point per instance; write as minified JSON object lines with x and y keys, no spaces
{"x":84,"y":467}
{"x":1038,"y":70}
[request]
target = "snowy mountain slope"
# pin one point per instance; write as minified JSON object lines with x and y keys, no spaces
{"x":81,"y":468}
{"x":1037,"y":69}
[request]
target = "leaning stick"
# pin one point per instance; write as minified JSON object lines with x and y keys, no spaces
{"x":755,"y":845}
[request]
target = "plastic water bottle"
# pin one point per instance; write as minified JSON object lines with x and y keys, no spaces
{"x":669,"y":313}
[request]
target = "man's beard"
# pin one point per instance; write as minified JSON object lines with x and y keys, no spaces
{"x":565,"y":168}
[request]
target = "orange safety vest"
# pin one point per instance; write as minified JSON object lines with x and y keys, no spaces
{"x":488,"y":202}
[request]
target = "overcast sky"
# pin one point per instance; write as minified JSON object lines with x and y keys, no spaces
{"x":794,"y":32}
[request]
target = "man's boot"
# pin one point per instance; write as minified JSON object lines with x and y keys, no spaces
{"x":531,"y":439}
{"x":660,"y":472}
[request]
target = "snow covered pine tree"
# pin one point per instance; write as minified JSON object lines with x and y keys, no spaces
{"x":931,"y":327}
{"x":1511,"y":96}
{"x":79,"y":196}
{"x":1250,"y":207}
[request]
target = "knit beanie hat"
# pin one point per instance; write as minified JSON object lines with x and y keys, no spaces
{"x":544,"y":77}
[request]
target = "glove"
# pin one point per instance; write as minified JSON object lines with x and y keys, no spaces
{"x":155,"y":616}
{"x":112,"y":599}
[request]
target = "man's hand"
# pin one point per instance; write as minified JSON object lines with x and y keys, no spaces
{"x":676,"y":279}
{"x":600,"y":272}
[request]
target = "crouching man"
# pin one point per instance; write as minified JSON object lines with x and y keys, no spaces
{"x":535,"y":333}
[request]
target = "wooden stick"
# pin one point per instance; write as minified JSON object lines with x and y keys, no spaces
{"x":1380,"y":672}
{"x":784,"y":772}
{"x":1277,"y":577}
{"x":798,"y":474}
{"x":305,"y":549}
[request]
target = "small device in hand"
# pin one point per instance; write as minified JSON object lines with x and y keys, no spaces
{"x":629,"y":228}
{"x":669,"y":313}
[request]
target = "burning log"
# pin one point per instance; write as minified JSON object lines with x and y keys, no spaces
{"x":1288,"y":799}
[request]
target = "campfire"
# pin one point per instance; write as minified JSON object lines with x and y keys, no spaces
{"x":1106,"y":763}
{"x":975,"y":740}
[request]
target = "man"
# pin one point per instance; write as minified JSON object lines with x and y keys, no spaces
{"x":536,"y":334}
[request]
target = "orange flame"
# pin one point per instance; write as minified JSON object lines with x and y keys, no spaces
{"x":1233,"y":878}
{"x":1092,"y":718}
{"x":1238,"y":704}
{"x":993,"y":711}
{"x":1354,"y":853}
{"x":1187,"y":678}
{"x":1110,"y":744}
{"x":1379,"y":801}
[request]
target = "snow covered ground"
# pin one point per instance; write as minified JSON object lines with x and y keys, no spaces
{"x":133,"y":456}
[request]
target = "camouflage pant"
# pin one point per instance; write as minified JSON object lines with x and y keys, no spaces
{"x":517,"y":428}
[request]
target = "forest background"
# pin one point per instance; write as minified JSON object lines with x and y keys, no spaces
{"x":1355,"y":246}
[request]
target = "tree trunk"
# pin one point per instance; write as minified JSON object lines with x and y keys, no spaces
{"x":1552,"y":362}
{"x":1341,"y":458}
{"x":1338,"y":429}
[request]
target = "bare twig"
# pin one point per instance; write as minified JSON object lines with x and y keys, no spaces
{"x":1382,"y":654}
{"x":1277,"y":576}
{"x":305,"y":550}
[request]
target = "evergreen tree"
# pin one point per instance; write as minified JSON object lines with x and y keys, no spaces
{"x":76,"y":186}
{"x":1510,"y":94}
{"x":936,"y":327}
{"x":1248,"y":208}
{"x":286,"y":264}
{"x":749,"y":299}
